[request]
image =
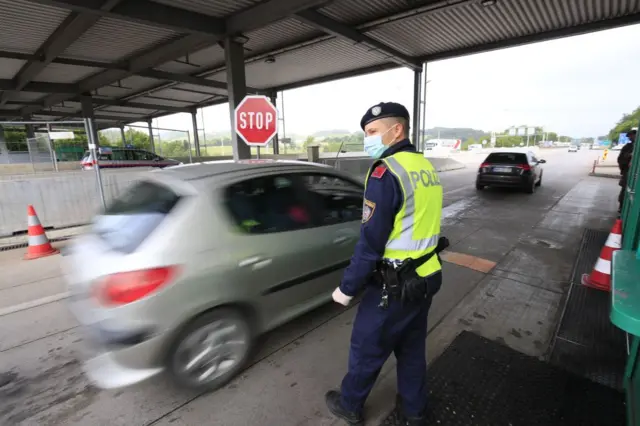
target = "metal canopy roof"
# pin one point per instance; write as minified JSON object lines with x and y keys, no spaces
{"x":141,"y":59}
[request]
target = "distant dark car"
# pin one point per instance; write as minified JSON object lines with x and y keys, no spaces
{"x":511,"y":169}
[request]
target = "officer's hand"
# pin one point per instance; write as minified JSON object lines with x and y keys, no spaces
{"x":340,"y":297}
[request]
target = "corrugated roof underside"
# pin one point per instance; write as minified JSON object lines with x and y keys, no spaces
{"x":113,"y":40}
{"x":62,"y":73}
{"x":353,"y":12}
{"x":199,"y":89}
{"x":108,"y":112}
{"x":10,"y":67}
{"x":129,"y":110}
{"x":217,"y":8}
{"x":471,"y":24}
{"x":318,"y":60}
{"x":197,"y":61}
{"x":24,"y":25}
{"x":127,"y":86}
{"x":160,"y":100}
{"x":180,"y":95}
{"x":278,"y":34}
{"x":27,"y":96}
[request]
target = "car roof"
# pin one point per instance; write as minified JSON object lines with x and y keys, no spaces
{"x":509,"y":152}
{"x":213,"y":169}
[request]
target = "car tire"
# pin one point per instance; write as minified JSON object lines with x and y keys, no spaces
{"x":479,"y":187}
{"x":531,"y":188}
{"x":179,"y":353}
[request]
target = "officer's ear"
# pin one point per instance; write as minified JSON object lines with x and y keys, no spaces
{"x":404,"y":128}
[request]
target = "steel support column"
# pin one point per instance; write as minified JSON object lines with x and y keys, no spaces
{"x":417,"y":84}
{"x":87,"y":114}
{"x":3,"y":143}
{"x":196,"y":137}
{"x":28,"y":128}
{"x":153,"y":145}
{"x":236,"y":87}
{"x":93,"y":141}
{"x":423,"y":126}
{"x":123,"y":136}
{"x":276,"y":146}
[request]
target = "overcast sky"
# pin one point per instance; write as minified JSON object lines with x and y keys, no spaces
{"x":578,"y":86}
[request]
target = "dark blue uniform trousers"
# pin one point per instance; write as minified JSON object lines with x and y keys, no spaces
{"x":376,"y":333}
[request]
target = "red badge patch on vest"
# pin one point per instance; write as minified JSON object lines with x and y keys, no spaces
{"x":379,"y":171}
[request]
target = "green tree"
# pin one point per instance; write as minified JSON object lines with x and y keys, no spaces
{"x":138,"y":139}
{"x":175,"y":148}
{"x":626,"y":123}
{"x":310,"y":141}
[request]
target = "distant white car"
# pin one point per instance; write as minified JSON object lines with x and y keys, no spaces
{"x":617,"y":147}
{"x":573,"y":148}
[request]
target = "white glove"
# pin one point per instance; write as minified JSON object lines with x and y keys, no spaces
{"x":340,"y":297}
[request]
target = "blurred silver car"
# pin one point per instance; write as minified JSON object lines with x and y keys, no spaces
{"x":186,"y":269}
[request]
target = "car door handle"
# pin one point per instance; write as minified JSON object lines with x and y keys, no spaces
{"x":255,"y":262}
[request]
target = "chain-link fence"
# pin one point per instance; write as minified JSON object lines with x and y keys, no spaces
{"x":41,"y":155}
{"x":33,"y":173}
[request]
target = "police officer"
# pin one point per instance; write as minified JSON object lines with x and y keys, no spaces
{"x":624,"y":163}
{"x":401,"y":220}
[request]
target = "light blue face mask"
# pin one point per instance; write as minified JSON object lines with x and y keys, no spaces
{"x":373,"y":145}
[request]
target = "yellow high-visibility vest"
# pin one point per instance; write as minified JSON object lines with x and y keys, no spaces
{"x":416,"y":228}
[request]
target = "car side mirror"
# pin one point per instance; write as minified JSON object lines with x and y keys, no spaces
{"x":542,"y":161}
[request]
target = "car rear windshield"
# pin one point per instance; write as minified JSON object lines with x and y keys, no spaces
{"x":133,"y":216}
{"x":506,"y":158}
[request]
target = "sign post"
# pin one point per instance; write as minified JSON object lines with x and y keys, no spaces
{"x":256,"y":121}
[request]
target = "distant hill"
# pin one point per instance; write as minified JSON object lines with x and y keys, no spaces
{"x":463,"y":133}
{"x":329,"y":133}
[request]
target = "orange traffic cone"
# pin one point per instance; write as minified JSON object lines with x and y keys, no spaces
{"x":600,"y":277}
{"x":39,"y":245}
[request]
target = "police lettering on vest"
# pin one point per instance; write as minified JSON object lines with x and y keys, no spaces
{"x":425,"y":177}
{"x":416,"y":227}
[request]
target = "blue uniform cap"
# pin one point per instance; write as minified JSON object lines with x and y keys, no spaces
{"x":384,"y":110}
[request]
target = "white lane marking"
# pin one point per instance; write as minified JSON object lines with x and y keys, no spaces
{"x":33,"y":304}
{"x":453,"y":191}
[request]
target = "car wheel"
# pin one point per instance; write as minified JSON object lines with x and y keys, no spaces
{"x":539,"y":180}
{"x":479,"y":187}
{"x":211,"y":350}
{"x":531,"y":188}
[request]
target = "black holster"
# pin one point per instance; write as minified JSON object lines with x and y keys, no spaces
{"x":402,"y":281}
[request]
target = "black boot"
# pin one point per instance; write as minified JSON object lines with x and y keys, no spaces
{"x":336,"y":408}
{"x":408,"y":421}
{"x":415,"y":421}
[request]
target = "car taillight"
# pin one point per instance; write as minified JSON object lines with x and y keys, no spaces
{"x":483,"y":165}
{"x":127,"y":287}
{"x":524,"y":167}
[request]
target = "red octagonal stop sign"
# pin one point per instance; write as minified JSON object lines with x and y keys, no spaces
{"x":256,"y":120}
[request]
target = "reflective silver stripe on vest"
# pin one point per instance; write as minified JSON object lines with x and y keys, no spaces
{"x":405,"y":240}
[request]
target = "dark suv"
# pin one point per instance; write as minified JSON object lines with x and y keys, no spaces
{"x":511,"y":169}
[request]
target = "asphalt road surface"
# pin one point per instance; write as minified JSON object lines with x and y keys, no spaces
{"x":285,"y":385}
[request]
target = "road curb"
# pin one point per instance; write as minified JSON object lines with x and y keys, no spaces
{"x":451,"y":168}
{"x":605,"y":175}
